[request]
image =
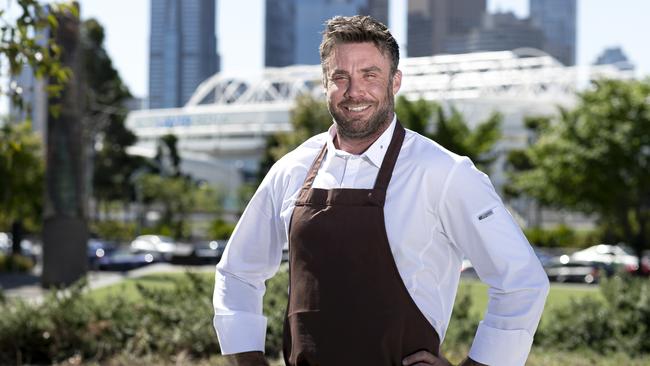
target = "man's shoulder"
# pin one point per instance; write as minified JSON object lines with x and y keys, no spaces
{"x":428,"y":154}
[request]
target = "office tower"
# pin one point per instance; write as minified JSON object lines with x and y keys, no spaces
{"x":432,"y":22}
{"x":615,"y":56}
{"x":294,"y":27}
{"x":499,"y":32}
{"x":182,"y":50}
{"x":557,"y":20}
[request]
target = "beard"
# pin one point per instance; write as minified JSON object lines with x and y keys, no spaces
{"x":359,"y":128}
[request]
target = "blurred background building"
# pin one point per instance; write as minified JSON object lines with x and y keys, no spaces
{"x":182,"y":49}
{"x":293,"y":28}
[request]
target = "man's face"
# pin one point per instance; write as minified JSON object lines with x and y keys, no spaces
{"x":360,"y":89}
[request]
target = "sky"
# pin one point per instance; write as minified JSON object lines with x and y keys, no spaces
{"x":240,"y":32}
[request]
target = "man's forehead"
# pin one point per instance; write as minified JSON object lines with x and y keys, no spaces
{"x":367,"y":53}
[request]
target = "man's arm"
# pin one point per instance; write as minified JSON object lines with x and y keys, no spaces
{"x":476,"y":221}
{"x":251,"y":257}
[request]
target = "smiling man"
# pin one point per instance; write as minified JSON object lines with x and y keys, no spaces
{"x":378,"y":220}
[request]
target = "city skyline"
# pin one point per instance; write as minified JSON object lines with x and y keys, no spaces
{"x":241,"y":43}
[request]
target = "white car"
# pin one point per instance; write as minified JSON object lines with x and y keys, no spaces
{"x":154,"y":244}
{"x":610,"y":254}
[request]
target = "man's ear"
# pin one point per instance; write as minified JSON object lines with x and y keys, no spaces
{"x":397,"y":81}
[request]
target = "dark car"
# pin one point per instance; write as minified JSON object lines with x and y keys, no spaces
{"x":208,"y":252}
{"x":124,"y":260}
{"x":98,"y":249}
{"x":563,"y":269}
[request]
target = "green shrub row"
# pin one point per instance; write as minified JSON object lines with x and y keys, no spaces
{"x":72,"y":323}
{"x":619,"y":322}
{"x":167,"y":321}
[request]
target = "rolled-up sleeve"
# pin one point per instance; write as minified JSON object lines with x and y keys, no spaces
{"x":252,"y":256}
{"x":476,"y":221}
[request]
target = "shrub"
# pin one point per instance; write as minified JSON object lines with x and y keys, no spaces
{"x":73,"y":323}
{"x":114,"y":230}
{"x":15,"y":263}
{"x":620,"y":322}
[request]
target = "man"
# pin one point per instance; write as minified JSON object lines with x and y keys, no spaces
{"x":378,"y":220}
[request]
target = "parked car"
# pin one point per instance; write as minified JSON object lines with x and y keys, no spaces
{"x":209,"y":252}
{"x":565,"y":269}
{"x":124,"y":259}
{"x":98,"y":249}
{"x":616,"y":255}
{"x":155,"y":244}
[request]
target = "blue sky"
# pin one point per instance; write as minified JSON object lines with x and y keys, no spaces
{"x":240,"y":23}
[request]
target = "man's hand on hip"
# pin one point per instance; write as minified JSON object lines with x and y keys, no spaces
{"x":254,"y":358}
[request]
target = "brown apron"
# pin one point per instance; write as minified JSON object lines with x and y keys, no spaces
{"x":347,"y":302}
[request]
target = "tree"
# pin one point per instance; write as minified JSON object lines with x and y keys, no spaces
{"x":595,"y":159}
{"x":22,"y":172}
{"x":104,"y":115}
{"x":452,"y":131}
{"x":24,"y":41}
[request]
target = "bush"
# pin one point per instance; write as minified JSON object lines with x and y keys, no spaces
{"x":15,"y":263}
{"x":73,"y":323}
{"x":618,"y":323}
{"x":114,"y":230}
{"x":219,"y":229}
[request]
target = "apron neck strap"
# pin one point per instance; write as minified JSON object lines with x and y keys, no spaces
{"x":387,"y":165}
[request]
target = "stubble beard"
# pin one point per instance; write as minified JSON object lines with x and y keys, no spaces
{"x":358,"y":129}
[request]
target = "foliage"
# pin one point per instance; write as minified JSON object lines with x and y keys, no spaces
{"x":275,"y":304}
{"x":220,"y":229}
{"x":24,"y":41}
{"x":595,"y":158}
{"x":177,"y":196}
{"x":23,"y":174}
{"x":451,"y":130}
{"x":619,"y":323}
{"x":104,"y":115}
{"x":114,"y":230}
{"x":72,"y":323}
{"x":561,"y":236}
{"x":15,"y":263}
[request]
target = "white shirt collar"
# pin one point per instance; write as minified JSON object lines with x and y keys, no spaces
{"x":375,"y":153}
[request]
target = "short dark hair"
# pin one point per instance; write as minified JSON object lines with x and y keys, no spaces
{"x":358,"y":29}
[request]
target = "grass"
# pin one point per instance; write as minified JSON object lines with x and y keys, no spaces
{"x":559,"y":295}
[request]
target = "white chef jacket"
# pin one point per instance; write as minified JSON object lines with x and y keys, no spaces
{"x":439,"y":208}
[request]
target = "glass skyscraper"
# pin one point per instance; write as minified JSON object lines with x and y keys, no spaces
{"x":293,"y":27}
{"x":434,"y":23}
{"x":182,"y":50}
{"x":557,"y":20}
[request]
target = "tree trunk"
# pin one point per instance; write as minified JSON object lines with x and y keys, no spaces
{"x":16,"y":237}
{"x":65,"y":231}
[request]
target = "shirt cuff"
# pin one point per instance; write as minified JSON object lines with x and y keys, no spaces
{"x":240,"y":332}
{"x":500,"y":347}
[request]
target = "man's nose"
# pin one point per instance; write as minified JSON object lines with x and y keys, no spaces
{"x":355,"y":89}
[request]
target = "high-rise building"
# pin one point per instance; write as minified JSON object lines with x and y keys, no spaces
{"x":557,"y":20}
{"x":500,"y":32}
{"x":615,"y":56}
{"x":182,"y":50}
{"x":432,"y":22}
{"x":293,"y":27}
